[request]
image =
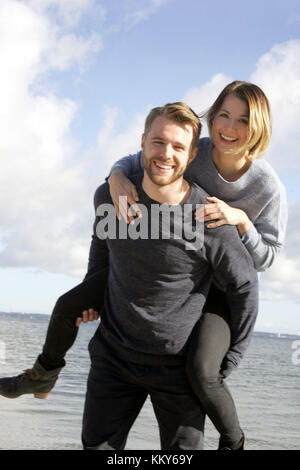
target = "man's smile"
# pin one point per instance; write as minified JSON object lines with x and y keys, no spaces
{"x":163,"y":167}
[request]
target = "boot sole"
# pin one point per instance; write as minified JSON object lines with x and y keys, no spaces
{"x":36,"y":395}
{"x":41,"y":395}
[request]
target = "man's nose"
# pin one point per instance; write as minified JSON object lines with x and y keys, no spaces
{"x":166,"y":153}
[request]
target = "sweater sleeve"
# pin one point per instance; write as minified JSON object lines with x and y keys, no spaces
{"x":131,"y":164}
{"x":235,"y":273}
{"x":98,"y":254}
{"x":266,"y":235}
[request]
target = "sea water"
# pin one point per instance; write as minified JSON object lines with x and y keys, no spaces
{"x":265,"y":387}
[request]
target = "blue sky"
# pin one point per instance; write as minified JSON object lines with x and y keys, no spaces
{"x":78,"y":78}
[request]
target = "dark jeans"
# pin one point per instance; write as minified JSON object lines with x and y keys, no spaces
{"x":116,"y":392}
{"x":209,"y":342}
{"x":62,"y":331}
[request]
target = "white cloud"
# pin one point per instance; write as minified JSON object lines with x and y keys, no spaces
{"x":42,"y":42}
{"x":41,"y":195}
{"x":282,"y":280}
{"x":141,"y":10}
{"x":278,"y":73}
{"x":113,"y":144}
{"x":201,"y":98}
{"x":68,"y":49}
{"x":70,"y":11}
{"x":42,"y":190}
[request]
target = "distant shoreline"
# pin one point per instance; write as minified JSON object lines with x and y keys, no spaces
{"x":46,"y":317}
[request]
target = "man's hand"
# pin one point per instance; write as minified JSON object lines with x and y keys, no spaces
{"x":87,"y":315}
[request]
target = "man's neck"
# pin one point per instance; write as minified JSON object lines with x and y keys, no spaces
{"x":172,"y":194}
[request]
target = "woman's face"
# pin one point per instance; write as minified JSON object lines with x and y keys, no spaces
{"x":230,"y":125}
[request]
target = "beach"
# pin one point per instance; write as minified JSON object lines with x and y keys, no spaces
{"x":266,"y":389}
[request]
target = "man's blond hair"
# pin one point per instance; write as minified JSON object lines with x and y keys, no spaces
{"x":180,"y":113}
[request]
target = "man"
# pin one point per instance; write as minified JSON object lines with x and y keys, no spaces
{"x":158,"y":282}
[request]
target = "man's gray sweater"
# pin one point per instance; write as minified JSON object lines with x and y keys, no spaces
{"x":157,"y":286}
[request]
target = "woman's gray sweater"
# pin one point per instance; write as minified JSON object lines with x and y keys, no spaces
{"x":259,"y":192}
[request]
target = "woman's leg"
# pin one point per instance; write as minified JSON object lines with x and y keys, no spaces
{"x":61,"y":335}
{"x":209,"y":343}
{"x":62,"y":330}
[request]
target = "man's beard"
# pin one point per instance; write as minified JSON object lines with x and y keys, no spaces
{"x":161,"y":180}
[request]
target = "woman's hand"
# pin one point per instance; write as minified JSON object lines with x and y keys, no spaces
{"x":223,"y":214}
{"x":87,"y":315}
{"x":124,"y":195}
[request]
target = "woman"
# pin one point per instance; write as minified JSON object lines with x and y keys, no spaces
{"x":245,"y":192}
{"x":239,"y":124}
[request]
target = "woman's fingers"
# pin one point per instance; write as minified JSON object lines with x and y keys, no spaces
{"x":128,"y":208}
{"x":133,"y":211}
{"x":213,"y":199}
{"x":123,"y":208}
{"x":222,"y":213}
{"x":212,"y":216}
{"x":135,"y":193}
{"x":199,"y":214}
{"x":207,"y":212}
{"x":218,"y":223}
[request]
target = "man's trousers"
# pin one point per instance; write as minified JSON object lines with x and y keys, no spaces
{"x":117,"y":390}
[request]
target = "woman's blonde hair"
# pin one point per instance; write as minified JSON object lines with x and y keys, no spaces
{"x":259,"y":123}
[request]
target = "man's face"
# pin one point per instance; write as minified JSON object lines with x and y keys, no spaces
{"x":167,"y":150}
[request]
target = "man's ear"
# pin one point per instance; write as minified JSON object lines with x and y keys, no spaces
{"x":143,"y":141}
{"x":193,"y":154}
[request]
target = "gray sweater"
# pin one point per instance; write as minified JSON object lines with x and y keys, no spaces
{"x":157,"y":287}
{"x":259,"y":193}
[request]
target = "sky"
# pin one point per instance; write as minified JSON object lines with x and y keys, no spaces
{"x":78,"y":78}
